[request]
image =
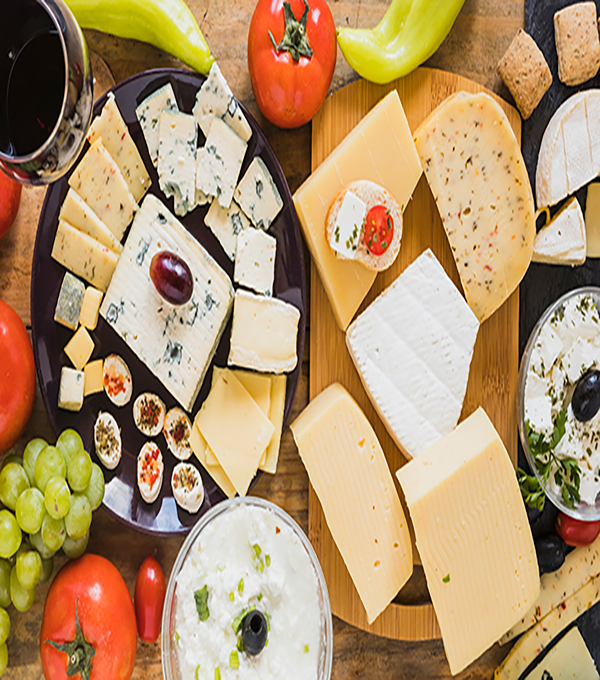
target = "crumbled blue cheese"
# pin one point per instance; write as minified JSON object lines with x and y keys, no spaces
{"x":148,"y":114}
{"x":255,"y":260}
{"x":70,"y":300}
{"x":348,"y":226}
{"x":226,"y":225}
{"x":177,"y":143}
{"x":257,"y":195}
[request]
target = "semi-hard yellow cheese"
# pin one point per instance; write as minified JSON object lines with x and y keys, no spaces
{"x":77,"y":213}
{"x":79,"y":348}
{"x":478,"y":178}
{"x":93,"y":377}
{"x":473,"y":537}
{"x":569,"y":659}
{"x":348,"y":470}
{"x":592,"y":220}
{"x":380,"y":149}
{"x":200,"y":449}
{"x":90,"y":308}
{"x":268,"y":462}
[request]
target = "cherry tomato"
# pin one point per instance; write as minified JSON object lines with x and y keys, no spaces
{"x":150,"y":590}
{"x":575,"y":531}
{"x":379,"y":229}
{"x":17,"y":377}
{"x":291,"y":58}
{"x":10,"y":198}
{"x":88,"y":617}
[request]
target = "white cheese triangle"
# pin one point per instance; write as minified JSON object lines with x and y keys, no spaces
{"x":563,"y":239}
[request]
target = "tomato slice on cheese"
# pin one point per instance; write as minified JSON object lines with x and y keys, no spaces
{"x":379,"y":229}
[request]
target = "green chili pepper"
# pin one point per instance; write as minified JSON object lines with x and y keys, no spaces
{"x":166,"y":24}
{"x":409,"y":33}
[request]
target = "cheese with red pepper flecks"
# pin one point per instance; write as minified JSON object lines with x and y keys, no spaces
{"x":478,"y":178}
{"x":150,"y":469}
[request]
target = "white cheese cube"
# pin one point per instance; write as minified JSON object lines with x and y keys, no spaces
{"x":148,"y":114}
{"x":226,"y":225}
{"x":348,"y":226}
{"x":177,"y":142}
{"x":257,"y":195}
{"x":255,"y":260}
{"x":70,"y":393}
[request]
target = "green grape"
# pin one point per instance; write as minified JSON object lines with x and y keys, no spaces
{"x":50,"y":463}
{"x":95,"y":489}
{"x":30,"y":455}
{"x":13,"y":458}
{"x":53,"y":532}
{"x":21,"y":597}
{"x":4,"y":625}
{"x":57,"y":497}
{"x":31,"y":510}
{"x":38,"y":544}
{"x":3,"y":658}
{"x":5,"y":583}
{"x":74,"y":548}
{"x":47,"y":569}
{"x":79,"y":517}
{"x":29,"y":568}
{"x":69,"y":443}
{"x":13,"y":481}
{"x":10,"y":534}
{"x":79,"y":470}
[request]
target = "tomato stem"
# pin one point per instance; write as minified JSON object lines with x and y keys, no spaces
{"x":79,"y":650}
{"x":294,"y":38}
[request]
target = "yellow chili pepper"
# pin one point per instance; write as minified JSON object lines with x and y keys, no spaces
{"x":166,"y":24}
{"x":409,"y":33}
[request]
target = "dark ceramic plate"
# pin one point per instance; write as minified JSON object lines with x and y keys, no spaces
{"x":123,"y":499}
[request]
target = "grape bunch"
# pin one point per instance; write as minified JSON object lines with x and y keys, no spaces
{"x":47,"y":499}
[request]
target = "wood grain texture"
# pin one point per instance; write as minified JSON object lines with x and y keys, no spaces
{"x":494,"y":369}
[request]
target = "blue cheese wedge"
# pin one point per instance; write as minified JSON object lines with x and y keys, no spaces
{"x":176,"y":343}
{"x":257,"y":195}
{"x":348,"y":226}
{"x":177,"y":143}
{"x":148,"y":114}
{"x":70,"y":300}
{"x":107,"y":440}
{"x":264,"y":333}
{"x":178,"y":431}
{"x":187,"y":486}
{"x":215,"y":98}
{"x":255,"y":260}
{"x":150,"y":471}
{"x":222,"y":158}
{"x":78,"y":214}
{"x":226,"y":225}
{"x":70,"y":391}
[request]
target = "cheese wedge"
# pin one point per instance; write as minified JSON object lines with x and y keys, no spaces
{"x":563,"y":239}
{"x":478,"y":178}
{"x":200,"y":448}
{"x":570,"y":149}
{"x":592,"y":220}
{"x":76,"y":212}
{"x":569,"y":659}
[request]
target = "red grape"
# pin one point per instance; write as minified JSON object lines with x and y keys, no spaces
{"x":172,"y":277}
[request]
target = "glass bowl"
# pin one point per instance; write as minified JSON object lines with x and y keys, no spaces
{"x":169,"y":637}
{"x":583,"y":511}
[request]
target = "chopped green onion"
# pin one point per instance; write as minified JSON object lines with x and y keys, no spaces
{"x":232,"y":596}
{"x":306,"y":649}
{"x":268,"y":560}
{"x":268,"y":617}
{"x":217,"y":673}
{"x":196,"y":676}
{"x":241,"y":586}
{"x":446,"y":578}
{"x":234,"y":660}
{"x":260,"y":597}
{"x":201,"y":598}
{"x":176,"y":638}
{"x":240,"y":644}
{"x":239,"y":620}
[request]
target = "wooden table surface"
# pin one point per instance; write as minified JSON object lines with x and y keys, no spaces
{"x":478,"y":39}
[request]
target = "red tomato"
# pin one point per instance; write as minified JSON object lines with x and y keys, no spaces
{"x":10,"y":198}
{"x":106,"y":618}
{"x":150,"y":590}
{"x":17,"y":377}
{"x":575,"y":531}
{"x":291,"y":59}
{"x":379,"y":229}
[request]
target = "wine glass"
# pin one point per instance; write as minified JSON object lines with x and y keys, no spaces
{"x":46,"y":93}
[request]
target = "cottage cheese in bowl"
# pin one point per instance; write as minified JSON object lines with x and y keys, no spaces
{"x":245,"y":555}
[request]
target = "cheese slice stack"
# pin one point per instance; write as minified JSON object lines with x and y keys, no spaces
{"x":570,"y":150}
{"x":348,"y":470}
{"x":473,"y":537}
{"x":569,"y":659}
{"x":563,"y":239}
{"x":412,"y":348}
{"x":478,"y":178}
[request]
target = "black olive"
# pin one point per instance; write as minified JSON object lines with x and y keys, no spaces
{"x":543,"y":524}
{"x":551,"y":551}
{"x":586,"y":397}
{"x":254,"y":632}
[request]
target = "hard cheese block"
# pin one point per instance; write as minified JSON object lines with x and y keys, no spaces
{"x":478,"y":178}
{"x":348,"y":470}
{"x":380,"y":149}
{"x":416,"y":373}
{"x":562,"y":240}
{"x":569,"y":659}
{"x":77,"y":213}
{"x":176,"y":343}
{"x":473,"y":537}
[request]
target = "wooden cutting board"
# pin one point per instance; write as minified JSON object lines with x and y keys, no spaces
{"x":494,"y":370}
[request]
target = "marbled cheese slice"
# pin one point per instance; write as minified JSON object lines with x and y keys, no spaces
{"x":176,"y":343}
{"x":148,"y":114}
{"x":563,"y":239}
{"x":477,"y":175}
{"x":226,"y":225}
{"x":177,"y":142}
{"x":257,"y":195}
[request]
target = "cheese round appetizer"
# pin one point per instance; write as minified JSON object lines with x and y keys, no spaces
{"x":149,"y":414}
{"x":187,"y":486}
{"x":177,"y":431}
{"x":150,"y":470}
{"x":364,"y":224}
{"x":116,"y":376}
{"x":107,"y":440}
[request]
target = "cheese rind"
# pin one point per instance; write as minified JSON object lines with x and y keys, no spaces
{"x":467,"y":511}
{"x":416,"y":373}
{"x":348,"y":470}
{"x":569,"y":659}
{"x":478,"y":178}
{"x":563,"y":239}
{"x":78,"y":214}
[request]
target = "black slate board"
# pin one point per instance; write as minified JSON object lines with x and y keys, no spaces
{"x":543,"y":284}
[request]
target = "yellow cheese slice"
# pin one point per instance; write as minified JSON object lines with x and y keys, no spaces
{"x":79,"y":348}
{"x":473,"y":537}
{"x":93,"y":377}
{"x":77,"y":213}
{"x":348,"y":470}
{"x":200,"y":449}
{"x":592,"y":220}
{"x":380,"y":149}
{"x":268,"y":462}
{"x":90,"y":308}
{"x":111,"y":128}
{"x":478,"y":178}
{"x":257,"y":384}
{"x":569,"y":659}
